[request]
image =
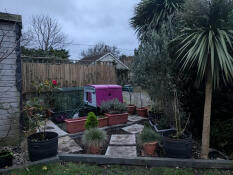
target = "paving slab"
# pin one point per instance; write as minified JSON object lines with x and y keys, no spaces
{"x":133,"y":129}
{"x":121,"y":151}
{"x":68,"y":145}
{"x":135,"y":118}
{"x":123,"y":139}
{"x":50,"y":126}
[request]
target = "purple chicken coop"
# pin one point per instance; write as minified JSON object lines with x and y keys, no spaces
{"x":94,"y":95}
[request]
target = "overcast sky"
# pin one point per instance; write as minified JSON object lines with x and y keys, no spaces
{"x":85,"y":22}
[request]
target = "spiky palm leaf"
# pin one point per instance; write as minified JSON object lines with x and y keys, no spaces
{"x":150,"y":14}
{"x":206,"y":42}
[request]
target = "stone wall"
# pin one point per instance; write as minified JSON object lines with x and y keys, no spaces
{"x":10,"y":78}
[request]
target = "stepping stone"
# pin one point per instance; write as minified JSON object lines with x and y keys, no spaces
{"x":123,"y":139}
{"x":50,"y":126}
{"x":133,"y":129}
{"x":121,"y":151}
{"x":135,"y":118}
{"x":68,"y":145}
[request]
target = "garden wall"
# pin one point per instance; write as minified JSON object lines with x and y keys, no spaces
{"x":67,"y":75}
{"x":10,"y":77}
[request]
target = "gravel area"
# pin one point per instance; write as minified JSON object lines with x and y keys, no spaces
{"x":135,"y":98}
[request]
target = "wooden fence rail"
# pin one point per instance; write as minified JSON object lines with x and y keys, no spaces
{"x":67,"y":75}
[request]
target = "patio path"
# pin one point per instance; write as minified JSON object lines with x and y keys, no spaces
{"x":122,"y":145}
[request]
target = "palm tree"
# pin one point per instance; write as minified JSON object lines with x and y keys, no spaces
{"x":151,"y":14}
{"x":206,"y":45}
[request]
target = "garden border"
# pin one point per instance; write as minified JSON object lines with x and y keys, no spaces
{"x":134,"y":161}
{"x":148,"y":161}
{"x":49,"y":160}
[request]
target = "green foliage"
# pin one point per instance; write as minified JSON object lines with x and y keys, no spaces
{"x":36,"y":109}
{"x":153,"y":70}
{"x":113,"y":107}
{"x":222,"y":134}
{"x":147,"y":135}
{"x":94,"y":137}
{"x":163,"y":123}
{"x":152,"y":14}
{"x":206,"y":39}
{"x":68,"y":168}
{"x":92,"y":121}
{"x":31,"y":52}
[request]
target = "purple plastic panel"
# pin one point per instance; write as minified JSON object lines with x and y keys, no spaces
{"x":107,"y":92}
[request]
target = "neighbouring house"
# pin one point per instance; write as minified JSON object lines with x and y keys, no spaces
{"x":108,"y":58}
{"x":10,"y":78}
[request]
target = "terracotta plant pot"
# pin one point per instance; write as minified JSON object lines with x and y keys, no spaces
{"x":75,"y":125}
{"x":115,"y":119}
{"x":149,"y":148}
{"x":131,"y":109}
{"x":94,"y":150}
{"x":103,"y":122}
{"x":142,"y":112}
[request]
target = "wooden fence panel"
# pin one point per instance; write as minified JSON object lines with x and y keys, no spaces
{"x":67,"y":75}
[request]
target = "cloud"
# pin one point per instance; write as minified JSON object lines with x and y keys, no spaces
{"x":85,"y":22}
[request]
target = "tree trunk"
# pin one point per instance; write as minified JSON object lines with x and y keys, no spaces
{"x":206,"y":118}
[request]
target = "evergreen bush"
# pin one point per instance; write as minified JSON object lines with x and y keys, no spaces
{"x":92,"y":121}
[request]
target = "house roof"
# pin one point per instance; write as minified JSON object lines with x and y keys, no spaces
{"x":98,"y":58}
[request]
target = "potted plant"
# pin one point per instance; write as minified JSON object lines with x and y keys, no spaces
{"x":131,"y":107}
{"x":149,"y":140}
{"x":41,"y":144}
{"x":142,"y":111}
{"x":94,"y":138}
{"x":6,"y":158}
{"x":115,"y":111}
{"x":179,"y":143}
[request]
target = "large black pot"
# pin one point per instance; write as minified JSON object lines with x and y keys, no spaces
{"x":178,"y":148}
{"x":42,"y":149}
{"x":6,"y":159}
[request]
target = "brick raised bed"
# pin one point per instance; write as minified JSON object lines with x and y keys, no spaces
{"x":115,"y":119}
{"x":77,"y":125}
{"x":103,"y":122}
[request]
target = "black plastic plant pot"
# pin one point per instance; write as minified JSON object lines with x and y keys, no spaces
{"x":6,"y":159}
{"x":178,"y":148}
{"x":162,"y":132}
{"x":42,"y":149}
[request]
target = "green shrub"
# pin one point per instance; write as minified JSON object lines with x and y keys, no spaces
{"x":113,"y":107}
{"x":94,"y":137}
{"x":92,"y":121}
{"x":164,"y":123}
{"x":222,"y":134}
{"x":147,"y":135}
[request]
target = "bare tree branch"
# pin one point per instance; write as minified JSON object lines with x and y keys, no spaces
{"x":46,"y":33}
{"x":100,"y":49}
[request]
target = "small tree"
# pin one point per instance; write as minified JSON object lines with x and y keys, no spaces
{"x":153,"y":70}
{"x":46,"y":33}
{"x":206,"y":46}
{"x":92,"y":121}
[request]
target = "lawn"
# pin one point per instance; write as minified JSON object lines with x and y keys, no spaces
{"x":85,"y":169}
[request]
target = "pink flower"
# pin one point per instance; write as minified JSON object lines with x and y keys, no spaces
{"x":54,"y":82}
